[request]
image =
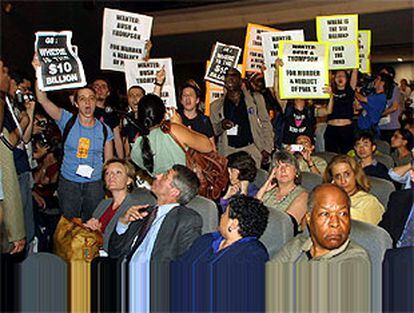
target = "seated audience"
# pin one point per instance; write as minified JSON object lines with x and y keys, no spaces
{"x":229,"y":262}
{"x":402,"y":174}
{"x":329,"y":223}
{"x":308,"y":162}
{"x":242,"y":172}
{"x":365,"y":148}
{"x":345,"y":172}
{"x":282,"y":190}
{"x":402,"y":142}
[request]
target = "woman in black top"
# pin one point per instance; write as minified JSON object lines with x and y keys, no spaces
{"x":339,"y":133}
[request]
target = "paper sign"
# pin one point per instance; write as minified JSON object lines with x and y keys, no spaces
{"x":343,"y":55}
{"x":253,"y":50}
{"x":364,"y":40}
{"x":60,"y":67}
{"x":123,"y":38}
{"x":223,"y":58}
{"x":305,"y":70}
{"x":143,"y":73}
{"x":270,"y":43}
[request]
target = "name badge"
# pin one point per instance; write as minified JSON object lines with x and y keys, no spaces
{"x":83,"y":148}
{"x":233,"y":131}
{"x":84,"y":170}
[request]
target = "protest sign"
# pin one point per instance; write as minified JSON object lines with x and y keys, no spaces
{"x":341,"y":31}
{"x":123,"y":38}
{"x":270,"y":43}
{"x":60,"y":67}
{"x":364,"y":39}
{"x":305,"y":70}
{"x":223,"y":58}
{"x":143,"y":73}
{"x":253,"y":50}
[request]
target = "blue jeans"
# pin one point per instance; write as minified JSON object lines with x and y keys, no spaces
{"x":79,"y":199}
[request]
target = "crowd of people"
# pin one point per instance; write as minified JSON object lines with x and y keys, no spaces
{"x":84,"y":162}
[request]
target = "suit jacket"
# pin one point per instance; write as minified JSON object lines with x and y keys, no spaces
{"x":140,"y":197}
{"x":179,"y":229}
{"x":399,"y":207}
{"x":262,"y":130}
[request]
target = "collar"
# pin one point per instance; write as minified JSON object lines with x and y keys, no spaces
{"x":165,"y":209}
{"x":218,"y":238}
{"x":307,"y":245}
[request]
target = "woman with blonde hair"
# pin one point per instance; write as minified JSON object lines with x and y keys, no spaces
{"x":347,"y":173}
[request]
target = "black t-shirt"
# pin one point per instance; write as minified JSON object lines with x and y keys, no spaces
{"x":343,"y":104}
{"x":378,"y":170}
{"x":298,"y":123}
{"x":110,"y":119}
{"x":200,"y":124}
{"x":239,"y":116}
{"x":129,"y":130}
{"x":8,"y":121}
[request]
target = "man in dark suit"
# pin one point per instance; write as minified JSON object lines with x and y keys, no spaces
{"x":150,"y":237}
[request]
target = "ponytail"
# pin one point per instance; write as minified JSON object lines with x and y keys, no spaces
{"x":147,"y":155}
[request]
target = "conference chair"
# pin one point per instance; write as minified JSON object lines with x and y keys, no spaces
{"x":208,"y":211}
{"x":383,"y":146}
{"x":385,"y":159}
{"x":381,"y":188}
{"x":327,"y":156}
{"x":310,"y":180}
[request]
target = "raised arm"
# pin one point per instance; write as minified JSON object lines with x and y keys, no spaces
{"x":159,"y":82}
{"x":282,"y":103}
{"x":52,"y":109}
{"x":324,"y":111}
{"x":354,"y":78}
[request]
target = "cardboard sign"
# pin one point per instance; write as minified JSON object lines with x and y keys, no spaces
{"x":253,"y":50}
{"x":341,"y":31}
{"x":123,"y":38}
{"x":364,"y":40}
{"x":214,"y":91}
{"x":143,"y":73}
{"x":304,"y":73}
{"x":270,"y":43}
{"x":223,"y":58}
{"x":60,"y":67}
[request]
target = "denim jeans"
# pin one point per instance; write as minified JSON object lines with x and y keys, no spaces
{"x":79,"y":199}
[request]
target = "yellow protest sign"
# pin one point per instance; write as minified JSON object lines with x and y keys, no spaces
{"x":364,"y":39}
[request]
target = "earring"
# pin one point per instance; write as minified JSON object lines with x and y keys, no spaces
{"x":229,"y":229}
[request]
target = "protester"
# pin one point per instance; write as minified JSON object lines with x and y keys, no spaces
{"x":329,"y":221}
{"x":240,"y":121}
{"x":157,"y":151}
{"x":242,"y":173}
{"x":402,"y":142}
{"x":405,"y":92}
{"x":87,"y":143}
{"x":345,"y":172}
{"x":229,"y":263}
{"x":282,"y":189}
{"x":365,"y":148}
{"x":308,"y":162}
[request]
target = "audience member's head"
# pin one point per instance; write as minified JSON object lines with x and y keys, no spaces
{"x":340,"y":79}
{"x":389,"y":70}
{"x":102,"y":88}
{"x":328,"y":218}
{"x":119,"y":175}
{"x":402,"y":138}
{"x":244,"y":217}
{"x":135,"y":94}
{"x":287,"y":168}
{"x":347,"y":173}
{"x":85,"y":101}
{"x":241,"y":166}
{"x":189,"y":97}
{"x":151,"y":111}
{"x":409,"y":124}
{"x":364,"y":144}
{"x":178,"y":185}
{"x":306,"y":142}
{"x":233,"y":80}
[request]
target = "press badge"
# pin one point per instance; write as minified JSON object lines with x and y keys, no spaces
{"x":84,"y":170}
{"x":233,"y":131}
{"x":83,"y":148}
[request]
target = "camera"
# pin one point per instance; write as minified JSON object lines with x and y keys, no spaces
{"x":22,"y":97}
{"x":367,"y":85}
{"x":41,"y":140}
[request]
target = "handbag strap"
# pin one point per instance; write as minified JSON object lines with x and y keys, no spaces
{"x":166,"y":128}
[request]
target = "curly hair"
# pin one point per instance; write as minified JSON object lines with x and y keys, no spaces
{"x":362,"y":181}
{"x":251,"y":213}
{"x":286,"y":157}
{"x":243,"y":162}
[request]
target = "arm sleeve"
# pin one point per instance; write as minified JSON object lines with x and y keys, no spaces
{"x":64,"y":118}
{"x":190,"y":233}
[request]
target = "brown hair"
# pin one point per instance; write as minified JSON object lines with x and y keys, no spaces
{"x":286,"y":157}
{"x":76,"y":93}
{"x":130,"y":170}
{"x":362,"y":181}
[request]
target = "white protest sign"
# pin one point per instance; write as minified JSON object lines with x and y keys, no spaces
{"x":270,"y":43}
{"x":60,"y":67}
{"x":253,"y":50}
{"x":143,"y":73}
{"x":223,"y":58}
{"x":123,"y":38}
{"x":364,"y":39}
{"x":341,"y":31}
{"x":304,"y":73}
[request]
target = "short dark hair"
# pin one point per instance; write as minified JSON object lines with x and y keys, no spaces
{"x":388,"y":84}
{"x":251,"y":213}
{"x":76,"y":93}
{"x":312,"y":195}
{"x":186,"y":182}
{"x":408,"y":136}
{"x":364,"y":134}
{"x":390,"y":70}
{"x":137,"y":87}
{"x":244,"y":163}
{"x":106,"y":80}
{"x":187,"y":85}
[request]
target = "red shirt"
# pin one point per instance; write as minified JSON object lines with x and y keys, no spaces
{"x":106,"y":217}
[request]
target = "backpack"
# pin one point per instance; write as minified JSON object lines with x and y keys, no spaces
{"x":70,"y":124}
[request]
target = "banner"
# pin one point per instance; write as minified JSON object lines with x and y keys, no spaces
{"x":364,"y":39}
{"x":223,"y":58}
{"x":60,"y":67}
{"x":270,"y":43}
{"x":253,"y":50}
{"x":143,"y":73}
{"x":123,"y":38}
{"x":341,"y":31}
{"x":305,"y":70}
{"x":214,"y":91}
